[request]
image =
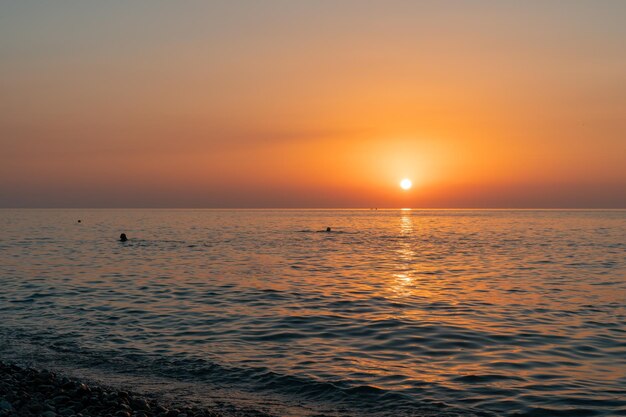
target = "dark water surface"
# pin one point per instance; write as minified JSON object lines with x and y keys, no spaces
{"x":495,"y":313}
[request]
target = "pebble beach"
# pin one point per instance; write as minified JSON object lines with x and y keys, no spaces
{"x":27,"y":392}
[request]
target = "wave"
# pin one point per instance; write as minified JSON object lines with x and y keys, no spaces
{"x":58,"y":350}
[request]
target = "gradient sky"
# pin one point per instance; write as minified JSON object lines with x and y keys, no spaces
{"x":312,"y":103}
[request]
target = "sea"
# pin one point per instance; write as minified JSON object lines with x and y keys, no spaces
{"x":264,"y":312}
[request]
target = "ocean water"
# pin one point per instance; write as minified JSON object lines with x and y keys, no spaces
{"x":395,"y":312}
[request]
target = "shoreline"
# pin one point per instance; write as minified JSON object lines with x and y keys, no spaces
{"x":30,"y":392}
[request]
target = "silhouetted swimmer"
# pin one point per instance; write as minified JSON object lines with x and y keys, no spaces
{"x":79,"y":220}
{"x":123,"y":237}
{"x":328,"y":229}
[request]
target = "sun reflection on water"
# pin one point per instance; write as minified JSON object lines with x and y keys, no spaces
{"x":402,"y":283}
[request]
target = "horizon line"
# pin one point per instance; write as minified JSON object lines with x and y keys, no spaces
{"x":327,"y":208}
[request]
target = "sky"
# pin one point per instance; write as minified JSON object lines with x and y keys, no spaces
{"x":148,"y":103}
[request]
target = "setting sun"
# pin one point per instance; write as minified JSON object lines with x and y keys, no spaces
{"x":248,"y":168}
{"x":406,"y":184}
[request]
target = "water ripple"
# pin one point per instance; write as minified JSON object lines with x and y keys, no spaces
{"x":508,"y":313}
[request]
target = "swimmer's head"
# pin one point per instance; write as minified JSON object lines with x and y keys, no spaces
{"x":123,"y":237}
{"x":328,"y":229}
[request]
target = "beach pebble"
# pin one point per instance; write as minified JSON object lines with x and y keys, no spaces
{"x":48,"y":414}
{"x":140,"y":404}
{"x":61,"y":399}
{"x":66,"y":412}
{"x":5,"y":405}
{"x":35,"y":407}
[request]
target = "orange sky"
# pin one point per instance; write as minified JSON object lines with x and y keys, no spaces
{"x":313,"y":104}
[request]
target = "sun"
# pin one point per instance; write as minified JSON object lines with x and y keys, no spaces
{"x":406,"y":184}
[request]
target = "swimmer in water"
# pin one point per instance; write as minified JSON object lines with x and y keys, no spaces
{"x":328,"y":229}
{"x":123,"y":237}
